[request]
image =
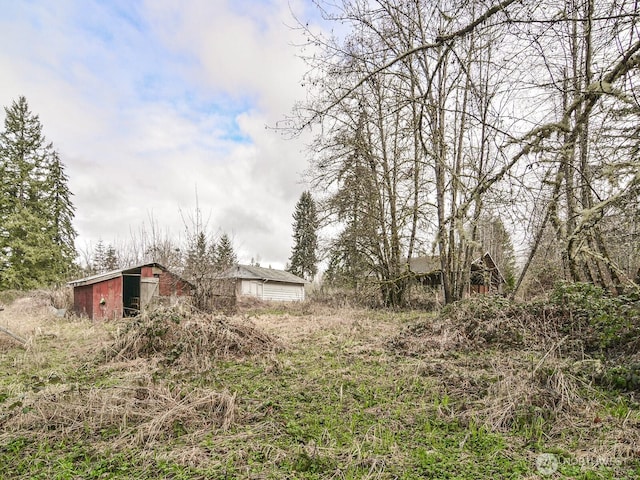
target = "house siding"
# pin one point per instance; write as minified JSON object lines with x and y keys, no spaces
{"x":283,"y":292}
{"x":271,"y":291}
{"x":250,"y":288}
{"x":171,"y":285}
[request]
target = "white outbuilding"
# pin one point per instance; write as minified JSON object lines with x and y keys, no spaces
{"x":266,"y":283}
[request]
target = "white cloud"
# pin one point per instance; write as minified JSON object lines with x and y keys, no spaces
{"x":147,"y":102}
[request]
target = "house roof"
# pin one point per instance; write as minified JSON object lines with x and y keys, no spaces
{"x":431,"y":264}
{"x":424,"y":265}
{"x":489,"y":263}
{"x":249,"y":272}
{"x":102,"y":277}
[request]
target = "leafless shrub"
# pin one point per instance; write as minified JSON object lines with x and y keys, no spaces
{"x":366,"y":295}
{"x":61,"y":298}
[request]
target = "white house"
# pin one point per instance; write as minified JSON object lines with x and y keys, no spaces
{"x":266,"y":283}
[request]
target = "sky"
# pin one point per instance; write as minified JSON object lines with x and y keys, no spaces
{"x":161,"y":105}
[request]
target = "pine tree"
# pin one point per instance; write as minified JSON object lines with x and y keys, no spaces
{"x":98,"y":258}
{"x":105,"y":258}
{"x":111,"y":261}
{"x":36,"y":213}
{"x":304,"y":257}
{"x":57,"y":201}
{"x":224,"y":256}
{"x":198,"y":262}
{"x":22,"y":154}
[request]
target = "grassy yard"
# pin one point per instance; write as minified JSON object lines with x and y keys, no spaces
{"x":299,"y":392}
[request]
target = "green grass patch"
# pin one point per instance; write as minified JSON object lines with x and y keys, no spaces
{"x":337,"y":402}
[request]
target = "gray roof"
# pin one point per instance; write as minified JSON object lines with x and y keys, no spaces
{"x":424,"y":265}
{"x":249,"y":272}
{"x":101,"y":277}
{"x":431,"y":264}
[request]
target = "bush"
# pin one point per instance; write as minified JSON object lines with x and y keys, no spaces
{"x":605,"y":323}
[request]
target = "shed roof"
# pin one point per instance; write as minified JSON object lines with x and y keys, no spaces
{"x":102,"y":277}
{"x":249,"y":272}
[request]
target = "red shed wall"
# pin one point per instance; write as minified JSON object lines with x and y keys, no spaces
{"x":146,"y":272}
{"x":111,"y":291}
{"x":83,"y":300}
{"x":171,"y":285}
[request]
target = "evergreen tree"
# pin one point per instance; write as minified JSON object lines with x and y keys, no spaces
{"x":105,"y":258}
{"x":26,"y":255}
{"x":198,"y":262}
{"x":348,"y":265}
{"x":57,"y":201}
{"x":98,"y":258}
{"x":304,"y":257}
{"x":36,"y":213}
{"x":495,"y":239}
{"x":224,"y":256}
{"x":111,"y":261}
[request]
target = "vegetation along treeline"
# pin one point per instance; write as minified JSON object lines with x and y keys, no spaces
{"x":438,"y":118}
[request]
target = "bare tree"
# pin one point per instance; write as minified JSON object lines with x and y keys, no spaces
{"x":442,"y":108}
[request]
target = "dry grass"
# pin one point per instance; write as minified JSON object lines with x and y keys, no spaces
{"x":26,"y":316}
{"x":123,"y":414}
{"x":485,"y":323}
{"x":541,"y":400}
{"x":521,"y":372}
{"x":322,"y":324}
{"x":34,"y":318}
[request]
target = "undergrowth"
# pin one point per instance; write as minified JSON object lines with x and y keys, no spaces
{"x":485,"y":390}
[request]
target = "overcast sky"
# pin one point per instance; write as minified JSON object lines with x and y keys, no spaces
{"x":149,"y":101}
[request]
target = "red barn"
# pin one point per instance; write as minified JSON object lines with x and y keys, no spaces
{"x":125,"y":292}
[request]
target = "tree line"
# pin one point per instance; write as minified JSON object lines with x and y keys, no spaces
{"x":37,"y":237}
{"x":437,"y":118}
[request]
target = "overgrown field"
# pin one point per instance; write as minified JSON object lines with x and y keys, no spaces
{"x":487,"y":389}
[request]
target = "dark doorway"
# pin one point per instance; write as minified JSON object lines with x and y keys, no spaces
{"x":131,"y":295}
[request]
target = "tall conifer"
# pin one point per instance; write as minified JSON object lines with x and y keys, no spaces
{"x":225,"y":256}
{"x":304,"y":258}
{"x":36,"y":213}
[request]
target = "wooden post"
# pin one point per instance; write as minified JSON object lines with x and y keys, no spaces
{"x":13,"y":335}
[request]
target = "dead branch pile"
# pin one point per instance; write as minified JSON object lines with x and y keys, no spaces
{"x":519,"y":396}
{"x":601,"y":326}
{"x":139,"y":414}
{"x":482,"y":322}
{"x":182,"y":338}
{"x":534,"y":367}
